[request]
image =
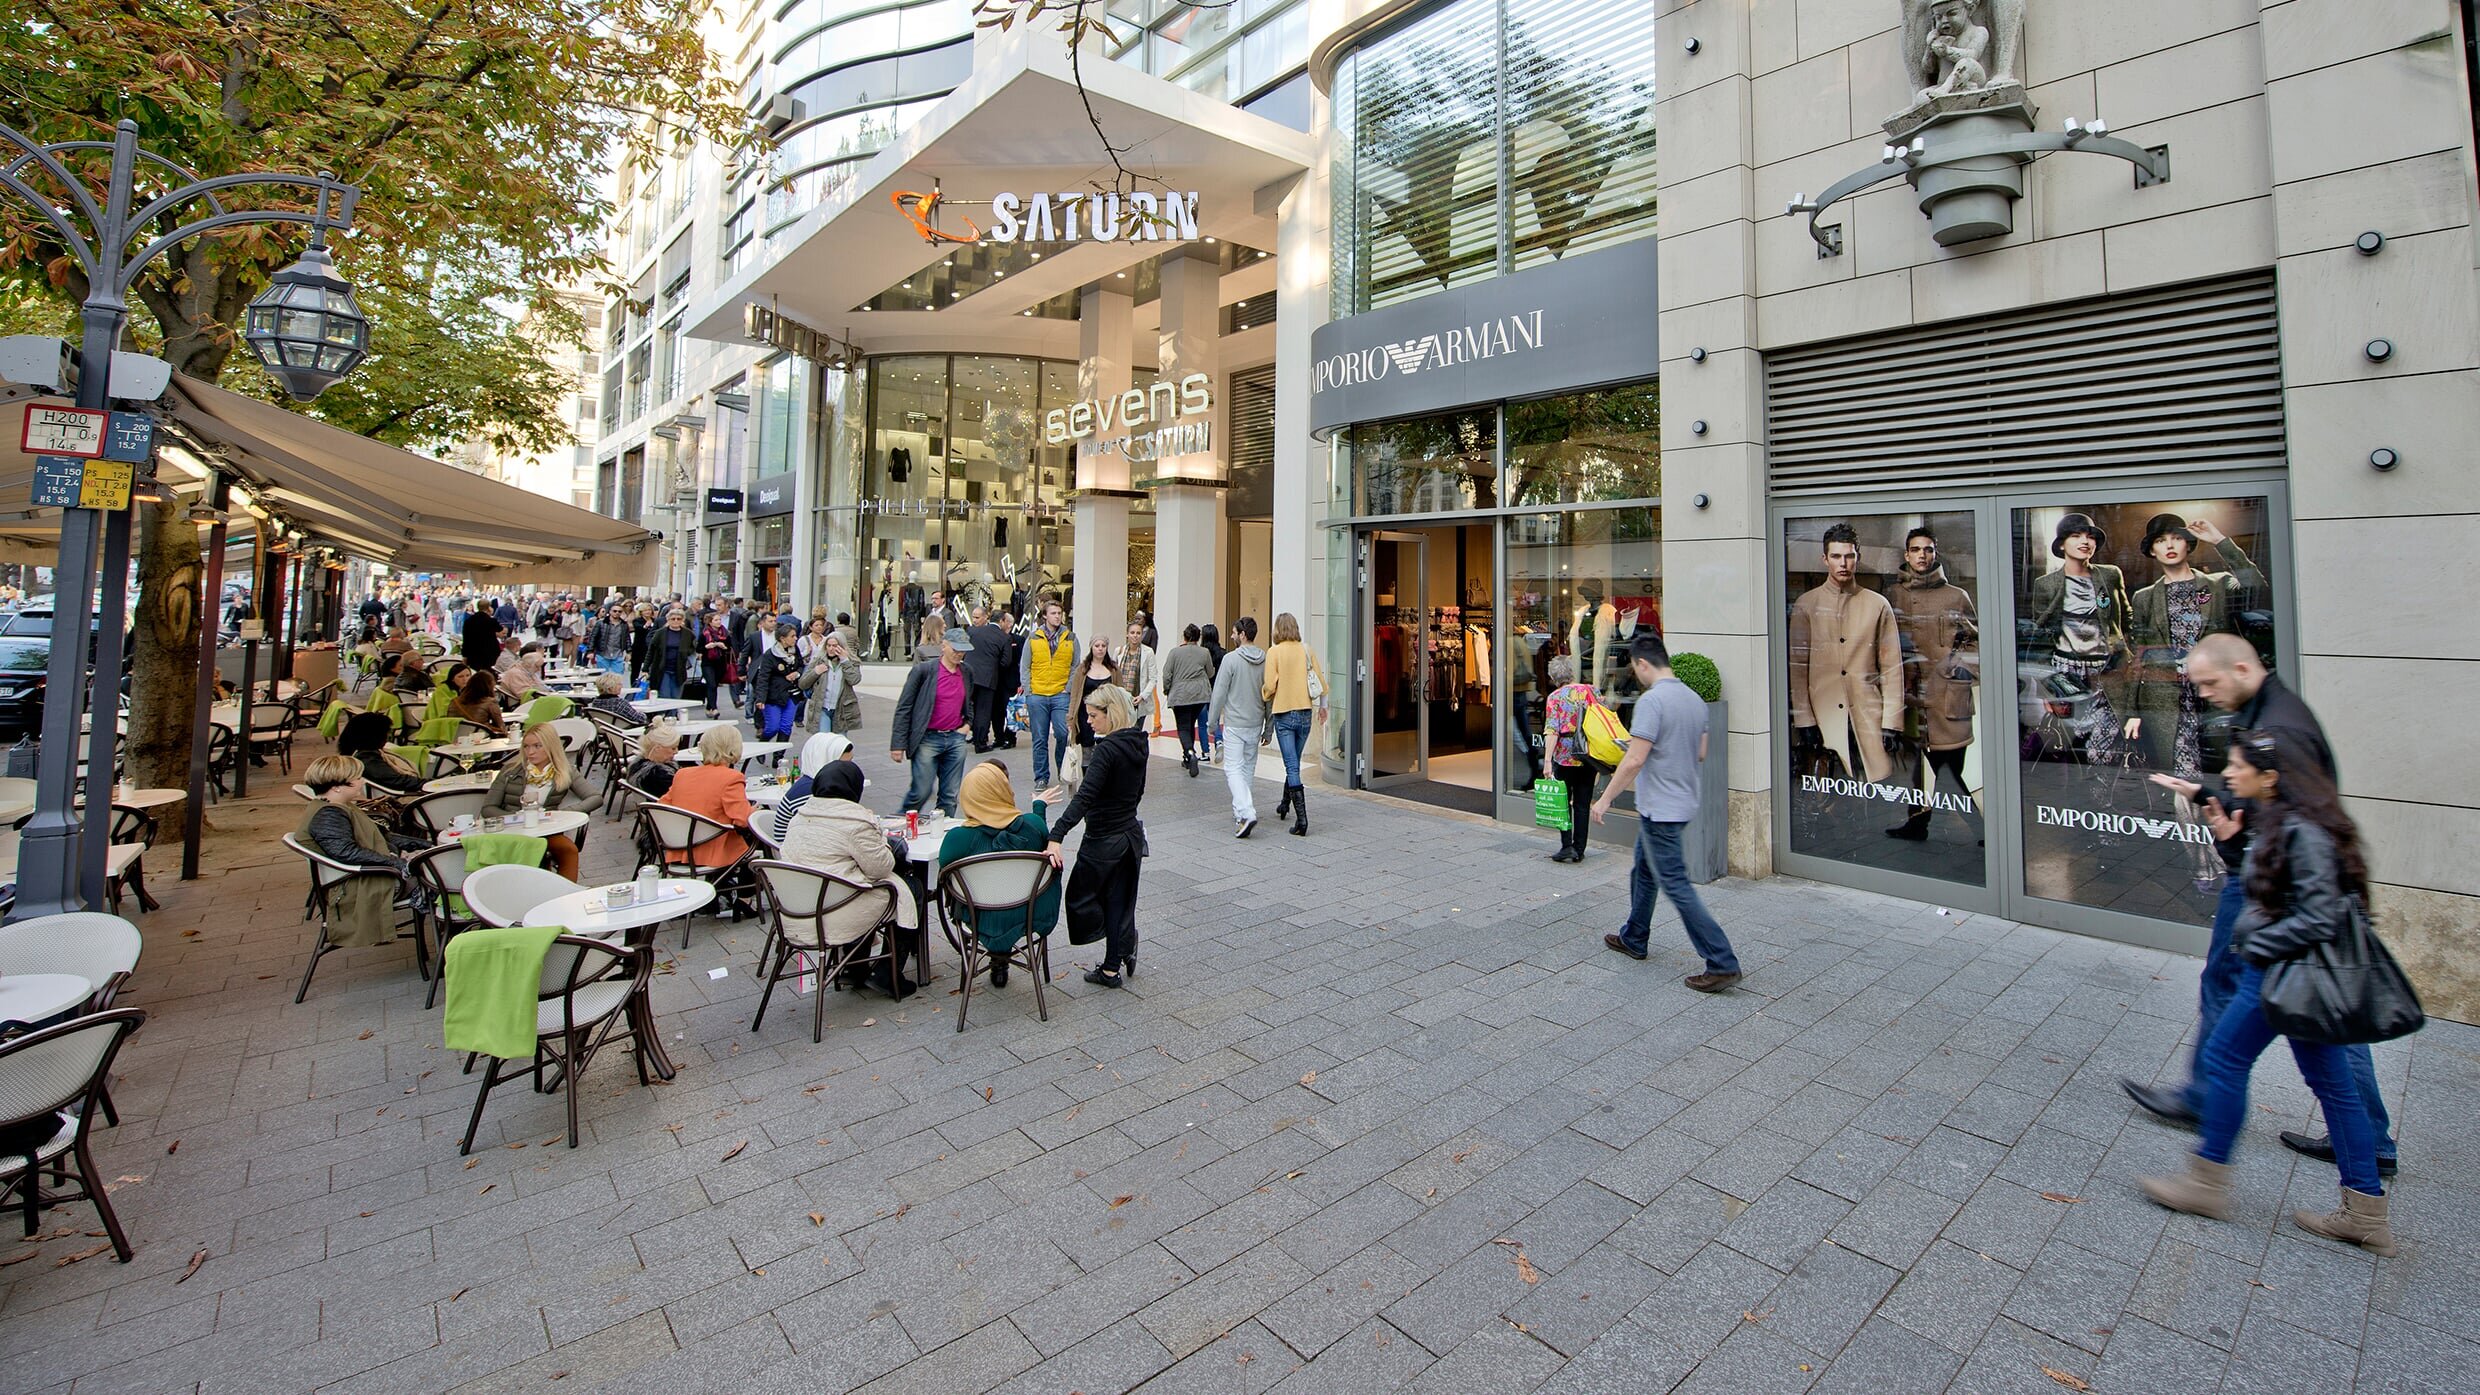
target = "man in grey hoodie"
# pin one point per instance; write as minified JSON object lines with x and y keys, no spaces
{"x":1239,"y":711}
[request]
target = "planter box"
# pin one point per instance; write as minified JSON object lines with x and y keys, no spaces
{"x":1708,"y":839}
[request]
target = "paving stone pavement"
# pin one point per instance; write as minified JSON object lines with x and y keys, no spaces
{"x":1381,"y":1113}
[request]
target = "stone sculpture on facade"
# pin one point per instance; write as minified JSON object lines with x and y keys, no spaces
{"x":1957,"y":47}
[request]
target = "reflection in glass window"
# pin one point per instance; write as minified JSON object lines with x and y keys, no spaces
{"x":1884,"y":671}
{"x":1590,"y":447}
{"x":1559,"y":91}
{"x":1433,"y":464}
{"x":1579,"y":587}
{"x":2110,"y":599}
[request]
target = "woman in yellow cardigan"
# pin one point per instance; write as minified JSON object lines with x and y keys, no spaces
{"x":1295,"y":691}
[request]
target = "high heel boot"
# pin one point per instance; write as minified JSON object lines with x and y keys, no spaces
{"x":1299,"y":798}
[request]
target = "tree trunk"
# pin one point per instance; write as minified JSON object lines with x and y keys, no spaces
{"x":163,"y":656}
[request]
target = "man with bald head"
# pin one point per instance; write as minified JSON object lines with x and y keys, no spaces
{"x":2228,"y":673}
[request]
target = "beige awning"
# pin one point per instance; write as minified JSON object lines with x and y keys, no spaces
{"x":368,"y":499}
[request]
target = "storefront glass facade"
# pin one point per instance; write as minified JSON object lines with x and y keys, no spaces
{"x":958,"y":493}
{"x":1486,"y":547}
{"x":1486,"y":136}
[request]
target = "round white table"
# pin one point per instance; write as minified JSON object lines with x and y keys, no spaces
{"x":750,"y":750}
{"x":766,"y":794}
{"x":924,"y":848}
{"x":651,"y":706}
{"x":477,"y":750}
{"x":553,"y":823}
{"x":470,"y":780}
{"x":590,"y":913}
{"x":31,"y":998}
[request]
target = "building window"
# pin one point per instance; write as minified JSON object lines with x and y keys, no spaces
{"x":1488,"y":136}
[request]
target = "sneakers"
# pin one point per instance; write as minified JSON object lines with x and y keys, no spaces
{"x":1247,"y":827}
{"x":1710,"y":983}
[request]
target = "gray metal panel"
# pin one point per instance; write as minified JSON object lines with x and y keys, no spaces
{"x":2169,"y":381}
{"x":1581,"y":322}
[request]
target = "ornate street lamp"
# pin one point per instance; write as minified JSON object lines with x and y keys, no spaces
{"x":61,"y":855}
{"x":306,"y":328}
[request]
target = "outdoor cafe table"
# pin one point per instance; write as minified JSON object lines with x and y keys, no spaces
{"x":589,"y":912}
{"x":466,"y":752}
{"x":657,"y":706}
{"x":553,"y":823}
{"x":33,"y":998}
{"x":470,"y":780}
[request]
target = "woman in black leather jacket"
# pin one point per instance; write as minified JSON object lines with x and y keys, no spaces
{"x":2306,"y":880}
{"x":1102,"y":890}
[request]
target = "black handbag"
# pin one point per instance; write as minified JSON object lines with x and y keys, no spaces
{"x":2343,"y":992}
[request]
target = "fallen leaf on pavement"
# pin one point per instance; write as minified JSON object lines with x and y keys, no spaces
{"x":816,"y":1219}
{"x":174,"y":1148}
{"x":2070,"y":1381}
{"x":736,"y":1151}
{"x":987,"y":1092}
{"x":20,"y":1258}
{"x":194,"y":1261}
{"x":366,"y":1035}
{"x":1309,"y":1079}
{"x":1525,"y":1269}
{"x":459,"y":1294}
{"x":870,"y":1022}
{"x":1504,"y":1241}
{"x":488,"y":1188}
{"x":66,"y":1260}
{"x":2062,"y":1196}
{"x":1121,"y":1200}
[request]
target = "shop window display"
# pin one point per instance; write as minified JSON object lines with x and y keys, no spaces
{"x":2110,"y":600}
{"x":1579,"y":585}
{"x":1883,"y":660}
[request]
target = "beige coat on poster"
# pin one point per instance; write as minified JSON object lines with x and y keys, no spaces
{"x":1847,"y":672}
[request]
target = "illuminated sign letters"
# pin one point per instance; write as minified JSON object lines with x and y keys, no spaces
{"x":1148,"y":420}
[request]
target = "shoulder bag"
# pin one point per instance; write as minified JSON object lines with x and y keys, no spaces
{"x":2344,"y":991}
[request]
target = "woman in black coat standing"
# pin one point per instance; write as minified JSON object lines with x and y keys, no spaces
{"x":1102,"y":889}
{"x":479,"y":645}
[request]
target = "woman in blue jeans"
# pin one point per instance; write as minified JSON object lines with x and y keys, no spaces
{"x":2303,"y":872}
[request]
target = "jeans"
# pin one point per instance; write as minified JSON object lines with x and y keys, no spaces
{"x":1662,"y":865}
{"x":671,"y":684}
{"x":941,"y":753}
{"x":1188,"y":722}
{"x":2214,"y":991}
{"x":1291,"y":732}
{"x":777,"y":723}
{"x":1240,"y":771}
{"x":2230,"y":1055}
{"x":1048,"y":714}
{"x":613,"y":663}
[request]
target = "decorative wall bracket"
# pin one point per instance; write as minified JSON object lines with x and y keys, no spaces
{"x":1967,"y":168}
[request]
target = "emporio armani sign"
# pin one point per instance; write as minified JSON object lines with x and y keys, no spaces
{"x":1487,"y":339}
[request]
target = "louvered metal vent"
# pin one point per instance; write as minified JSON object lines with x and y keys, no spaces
{"x":1251,"y":427}
{"x":2183,"y":379}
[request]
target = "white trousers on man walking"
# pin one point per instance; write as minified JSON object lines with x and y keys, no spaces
{"x":1240,"y":770}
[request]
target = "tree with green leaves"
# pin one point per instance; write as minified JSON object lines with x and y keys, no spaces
{"x":479,"y":132}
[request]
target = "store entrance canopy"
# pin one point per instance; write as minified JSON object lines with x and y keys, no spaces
{"x":407,"y":510}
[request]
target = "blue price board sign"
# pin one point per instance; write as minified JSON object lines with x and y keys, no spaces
{"x":57,"y":479}
{"x":130,"y":438}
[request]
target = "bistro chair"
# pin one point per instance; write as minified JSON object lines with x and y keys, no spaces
{"x":101,"y":949}
{"x":440,"y":872}
{"x":995,"y":884}
{"x":310,"y":706}
{"x":271,"y":731}
{"x":433,"y":814}
{"x":327,"y":876}
{"x":507,"y":894}
{"x":223,"y":749}
{"x":582,"y":1006}
{"x":832,"y":923}
{"x":674,"y":835}
{"x":134,"y":830}
{"x":57,"y":1074}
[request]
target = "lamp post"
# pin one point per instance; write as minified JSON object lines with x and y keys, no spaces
{"x":307,"y":304}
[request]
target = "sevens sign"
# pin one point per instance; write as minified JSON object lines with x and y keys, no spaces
{"x":922,"y":210}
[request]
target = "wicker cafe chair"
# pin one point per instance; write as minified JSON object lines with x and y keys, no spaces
{"x":326,"y":876}
{"x":506,"y":894}
{"x":440,"y":872}
{"x":583,"y":1005}
{"x":101,"y":949}
{"x":993,"y":884}
{"x":59,"y":1072}
{"x":675,"y":834}
{"x":838,"y":923}
{"x":432,"y":814}
{"x":271,"y":730}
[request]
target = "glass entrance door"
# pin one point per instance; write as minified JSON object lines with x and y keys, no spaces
{"x":1394,"y":698}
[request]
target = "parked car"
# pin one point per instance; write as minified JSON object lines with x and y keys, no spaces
{"x":25,"y":655}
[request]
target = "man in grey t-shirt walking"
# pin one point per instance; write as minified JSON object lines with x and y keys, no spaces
{"x":1666,"y":745}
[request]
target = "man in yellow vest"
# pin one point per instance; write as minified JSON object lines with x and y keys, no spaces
{"x":1050,"y":658}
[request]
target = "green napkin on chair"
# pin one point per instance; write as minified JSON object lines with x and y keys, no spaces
{"x":548,"y":709}
{"x":494,"y":983}
{"x":496,"y":850}
{"x":331,"y":721}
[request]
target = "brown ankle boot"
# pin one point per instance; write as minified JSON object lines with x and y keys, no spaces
{"x":2361,"y":1221}
{"x":2203,"y":1190}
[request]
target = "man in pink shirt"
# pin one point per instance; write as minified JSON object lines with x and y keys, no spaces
{"x":930,"y":721}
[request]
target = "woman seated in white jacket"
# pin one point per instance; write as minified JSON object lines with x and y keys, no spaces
{"x":836,"y":834}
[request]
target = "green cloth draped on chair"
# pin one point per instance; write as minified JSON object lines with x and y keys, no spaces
{"x":494,"y":982}
{"x":548,"y":709}
{"x":496,"y":850}
{"x":331,"y":721}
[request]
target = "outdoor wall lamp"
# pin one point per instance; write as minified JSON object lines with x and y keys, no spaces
{"x":1697,"y":427}
{"x":1695,"y":47}
{"x":1965,"y":160}
{"x":2379,"y":350}
{"x":1702,"y":500}
{"x":1697,"y":354}
{"x":2383,"y":459}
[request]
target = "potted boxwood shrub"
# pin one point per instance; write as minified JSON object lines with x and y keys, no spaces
{"x":1708,"y":841}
